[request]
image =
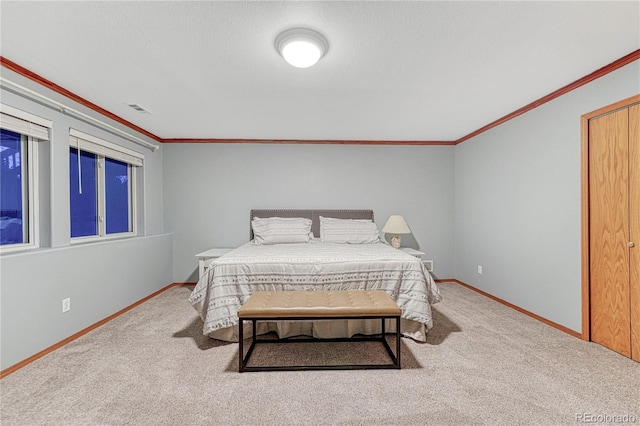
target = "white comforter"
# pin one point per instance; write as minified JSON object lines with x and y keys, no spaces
{"x":232,"y":278}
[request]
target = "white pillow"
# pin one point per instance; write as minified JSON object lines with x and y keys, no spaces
{"x":281,"y":230}
{"x":348,"y":231}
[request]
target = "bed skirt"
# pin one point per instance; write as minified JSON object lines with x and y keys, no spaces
{"x":324,"y":329}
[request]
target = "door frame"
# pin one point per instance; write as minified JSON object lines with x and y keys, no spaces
{"x":584,"y":208}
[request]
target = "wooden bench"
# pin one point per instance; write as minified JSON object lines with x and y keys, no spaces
{"x":318,"y":305}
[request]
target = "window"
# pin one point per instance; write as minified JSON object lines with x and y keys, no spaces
{"x":101,"y":187}
{"x":84,"y":194}
{"x":14,"y":192}
{"x":117,"y":196}
{"x":19,"y":132}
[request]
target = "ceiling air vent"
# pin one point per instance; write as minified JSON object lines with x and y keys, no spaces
{"x":139,"y":108}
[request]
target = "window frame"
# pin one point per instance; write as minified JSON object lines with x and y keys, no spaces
{"x":101,"y":149}
{"x":30,"y":198}
{"x":25,"y":124}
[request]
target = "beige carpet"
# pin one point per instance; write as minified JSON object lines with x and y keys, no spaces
{"x":483,"y":364}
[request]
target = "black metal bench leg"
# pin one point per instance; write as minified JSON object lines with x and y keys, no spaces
{"x":244,"y":359}
{"x":253,"y":329}
{"x":241,"y":345}
{"x":398,"y":341}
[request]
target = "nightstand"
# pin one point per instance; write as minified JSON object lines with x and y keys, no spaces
{"x":417,"y":253}
{"x":206,"y":257}
{"x":413,"y":252}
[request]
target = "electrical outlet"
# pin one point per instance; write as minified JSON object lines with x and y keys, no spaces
{"x":66,"y":305}
{"x":480,"y":269}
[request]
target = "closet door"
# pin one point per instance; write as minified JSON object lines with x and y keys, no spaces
{"x":634,"y":215}
{"x":609,"y":231}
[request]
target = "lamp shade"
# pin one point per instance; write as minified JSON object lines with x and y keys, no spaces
{"x":396,"y":225}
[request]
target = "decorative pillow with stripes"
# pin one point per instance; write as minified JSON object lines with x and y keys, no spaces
{"x":281,"y":230}
{"x":348,"y":231}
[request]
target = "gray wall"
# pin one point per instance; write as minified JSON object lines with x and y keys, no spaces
{"x":210,"y":189}
{"x":100,"y":278}
{"x":512,"y":195}
{"x":517,"y":202}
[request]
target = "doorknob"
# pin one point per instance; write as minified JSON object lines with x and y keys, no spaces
{"x":630,"y":244}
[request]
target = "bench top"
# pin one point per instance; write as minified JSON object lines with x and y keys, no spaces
{"x":318,"y":303}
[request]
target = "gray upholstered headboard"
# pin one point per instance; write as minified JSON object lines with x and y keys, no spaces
{"x":314,"y":215}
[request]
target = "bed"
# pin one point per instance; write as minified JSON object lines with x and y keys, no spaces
{"x":314,"y":250}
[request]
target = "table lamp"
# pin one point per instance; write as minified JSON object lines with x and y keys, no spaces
{"x":396,"y":225}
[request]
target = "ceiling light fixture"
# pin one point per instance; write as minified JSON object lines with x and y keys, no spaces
{"x":301,"y":47}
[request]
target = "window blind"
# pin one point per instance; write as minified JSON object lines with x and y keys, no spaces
{"x":24,"y":123}
{"x":89,"y":143}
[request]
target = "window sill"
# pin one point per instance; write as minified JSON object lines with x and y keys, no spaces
{"x":93,"y":239}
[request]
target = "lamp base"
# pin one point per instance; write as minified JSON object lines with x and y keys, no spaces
{"x":395,"y":241}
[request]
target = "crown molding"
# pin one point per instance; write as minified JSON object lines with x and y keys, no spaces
{"x":18,"y":69}
{"x":310,"y":141}
{"x":625,"y":60}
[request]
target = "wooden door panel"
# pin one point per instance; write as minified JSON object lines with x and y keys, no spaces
{"x":609,"y":231}
{"x":634,"y":227}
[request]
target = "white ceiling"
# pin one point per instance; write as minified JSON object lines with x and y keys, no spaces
{"x":418,"y":70}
